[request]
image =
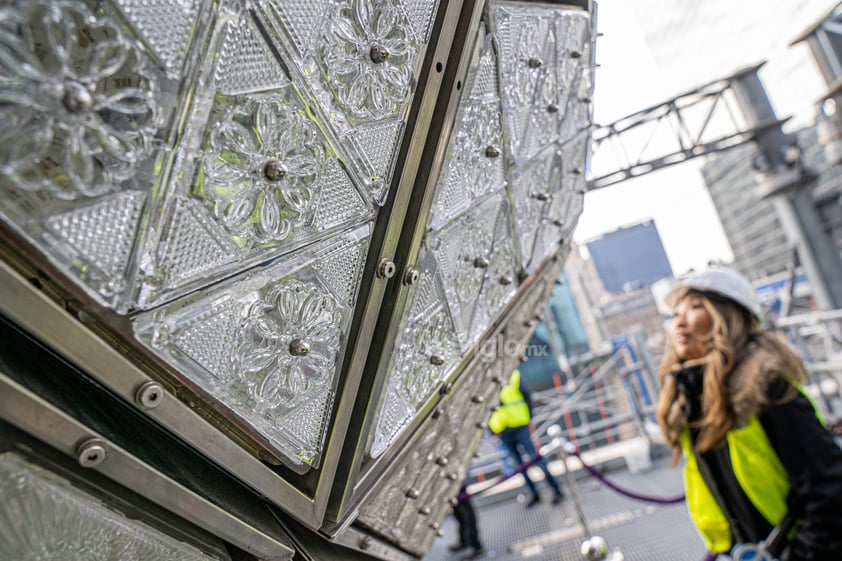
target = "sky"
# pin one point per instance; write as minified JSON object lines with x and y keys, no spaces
{"x":652,"y":50}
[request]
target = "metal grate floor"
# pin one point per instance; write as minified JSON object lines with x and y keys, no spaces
{"x":640,"y":530}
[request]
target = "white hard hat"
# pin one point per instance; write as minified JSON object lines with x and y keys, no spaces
{"x":722,"y":281}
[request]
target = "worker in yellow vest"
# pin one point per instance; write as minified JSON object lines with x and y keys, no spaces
{"x":759,"y":462}
{"x":511,"y":422}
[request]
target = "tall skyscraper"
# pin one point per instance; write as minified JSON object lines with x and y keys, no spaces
{"x":750,"y":223}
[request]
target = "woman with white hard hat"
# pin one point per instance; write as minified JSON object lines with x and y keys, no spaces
{"x":758,"y":459}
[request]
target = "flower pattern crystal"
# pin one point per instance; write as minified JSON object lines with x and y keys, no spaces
{"x":287,"y":348}
{"x":264,"y":161}
{"x":76,"y":100}
{"x":369,"y":56}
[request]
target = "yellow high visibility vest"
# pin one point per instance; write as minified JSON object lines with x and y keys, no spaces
{"x":749,"y":448}
{"x":513,"y":411}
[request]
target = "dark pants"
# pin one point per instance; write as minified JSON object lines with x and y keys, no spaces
{"x":518,"y":442}
{"x":467,"y":519}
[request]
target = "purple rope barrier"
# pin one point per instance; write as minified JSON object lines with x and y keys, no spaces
{"x":537,"y":457}
{"x":626,"y":492}
{"x":499,"y":479}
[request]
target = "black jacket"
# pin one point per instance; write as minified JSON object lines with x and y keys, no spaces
{"x":807,"y":450}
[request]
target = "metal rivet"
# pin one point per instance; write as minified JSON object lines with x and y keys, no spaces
{"x":506,"y":280}
{"x":445,"y":388}
{"x":91,"y":453}
{"x":552,"y":108}
{"x":491,"y":152}
{"x":275,"y":170}
{"x":386,"y":269}
{"x":575,"y":54}
{"x":440,"y":533}
{"x":530,"y":322}
{"x":442,"y":461}
{"x":412,"y":494}
{"x":523,"y":358}
{"x":437,"y":360}
{"x":411,"y":275}
{"x":77,"y":98}
{"x":481,"y":263}
{"x":149,"y":395}
{"x":364,"y":542}
{"x":478,"y":399}
{"x":481,"y":425}
{"x":576,"y":171}
{"x":558,"y":222}
{"x":435,"y":526}
{"x":424,"y":510}
{"x":299,"y":347}
{"x":535,"y":63}
{"x":452,"y":476}
{"x":542,"y":196}
{"x":585,"y":99}
{"x":497,"y":379}
{"x":453,"y":501}
{"x":378,"y":54}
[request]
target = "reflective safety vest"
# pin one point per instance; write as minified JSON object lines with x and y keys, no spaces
{"x":513,"y":411}
{"x":750,"y":450}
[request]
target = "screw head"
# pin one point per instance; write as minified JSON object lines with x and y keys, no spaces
{"x":378,"y":54}
{"x":436,"y":360}
{"x":491,"y":152}
{"x":412,"y":494}
{"x":275,"y":170}
{"x":299,"y":347}
{"x":386,"y":268}
{"x":534,"y":63}
{"x":149,"y":395}
{"x":77,"y":98}
{"x":411,"y":275}
{"x":91,"y":453}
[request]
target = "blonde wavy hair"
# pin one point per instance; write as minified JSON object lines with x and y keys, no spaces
{"x":732,"y":328}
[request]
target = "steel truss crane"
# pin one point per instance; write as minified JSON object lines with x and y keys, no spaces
{"x":699,"y":122}
{"x":712,"y":118}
